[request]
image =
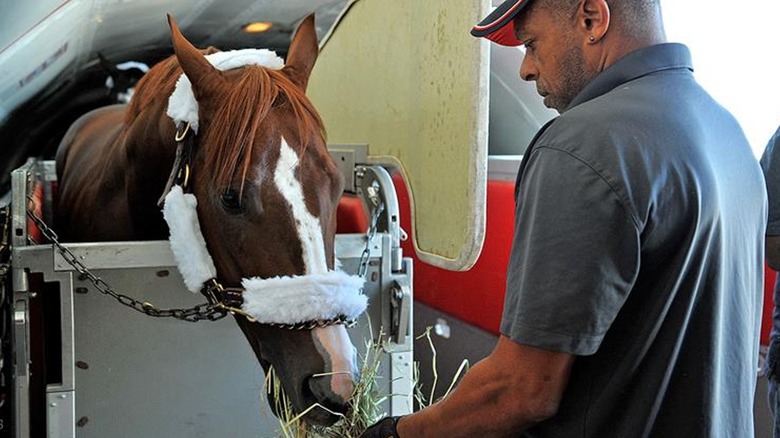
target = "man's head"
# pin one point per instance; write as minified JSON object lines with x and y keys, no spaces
{"x":568,"y":42}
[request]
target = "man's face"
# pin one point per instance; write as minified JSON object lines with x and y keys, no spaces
{"x":554,"y":57}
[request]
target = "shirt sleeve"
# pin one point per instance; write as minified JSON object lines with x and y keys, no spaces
{"x":574,"y":259}
{"x":770,"y":164}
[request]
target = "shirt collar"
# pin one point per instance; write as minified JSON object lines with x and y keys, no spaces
{"x":639,"y":63}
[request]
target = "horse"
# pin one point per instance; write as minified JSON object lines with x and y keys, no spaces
{"x":249,"y":194}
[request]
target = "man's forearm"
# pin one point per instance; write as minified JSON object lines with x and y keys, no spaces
{"x":498,"y":397}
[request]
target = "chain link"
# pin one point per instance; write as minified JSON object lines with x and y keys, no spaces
{"x":317,"y":323}
{"x":366,"y":254}
{"x":201,"y":312}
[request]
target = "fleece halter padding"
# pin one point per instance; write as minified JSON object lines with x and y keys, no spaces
{"x":187,"y":242}
{"x":280,"y":300}
{"x":290,"y":300}
{"x":182,"y":106}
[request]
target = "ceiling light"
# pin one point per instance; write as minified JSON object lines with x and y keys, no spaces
{"x":257,"y":27}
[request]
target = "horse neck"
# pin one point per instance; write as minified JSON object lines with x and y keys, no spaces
{"x":150,"y":148}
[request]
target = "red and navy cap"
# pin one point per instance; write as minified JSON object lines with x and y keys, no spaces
{"x":499,"y":26}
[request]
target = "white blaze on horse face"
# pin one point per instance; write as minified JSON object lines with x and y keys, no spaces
{"x":334,"y":345}
{"x":308,"y":225}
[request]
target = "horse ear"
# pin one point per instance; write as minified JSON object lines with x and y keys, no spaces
{"x":303,"y":53}
{"x":198,"y":69}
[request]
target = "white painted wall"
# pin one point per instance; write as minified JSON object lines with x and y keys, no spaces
{"x":736,"y":57}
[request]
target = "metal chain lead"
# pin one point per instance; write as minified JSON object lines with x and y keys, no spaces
{"x":366,"y":254}
{"x":206,"y":311}
{"x":201,"y":312}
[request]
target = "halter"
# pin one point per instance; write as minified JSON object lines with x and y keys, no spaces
{"x":258,"y":298}
{"x":302,"y":301}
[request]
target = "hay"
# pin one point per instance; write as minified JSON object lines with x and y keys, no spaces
{"x":365,"y":402}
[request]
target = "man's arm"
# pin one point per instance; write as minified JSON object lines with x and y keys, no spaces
{"x":510,"y":390}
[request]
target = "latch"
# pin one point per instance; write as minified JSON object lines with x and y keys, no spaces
{"x":400,"y":310}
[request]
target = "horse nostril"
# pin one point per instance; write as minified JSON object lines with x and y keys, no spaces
{"x":332,"y":390}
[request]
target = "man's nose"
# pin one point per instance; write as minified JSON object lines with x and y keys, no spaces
{"x":527,"y":70}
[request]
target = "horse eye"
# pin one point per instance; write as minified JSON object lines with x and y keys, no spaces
{"x":231,"y":201}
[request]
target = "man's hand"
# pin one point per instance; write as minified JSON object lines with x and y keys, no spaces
{"x":384,"y":428}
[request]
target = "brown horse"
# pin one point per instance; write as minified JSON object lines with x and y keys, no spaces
{"x":260,"y":189}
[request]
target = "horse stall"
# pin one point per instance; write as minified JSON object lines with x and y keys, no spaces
{"x":94,"y":354}
{"x":87,"y":365}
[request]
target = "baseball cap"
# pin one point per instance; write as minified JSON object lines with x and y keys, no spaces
{"x":499,"y":25}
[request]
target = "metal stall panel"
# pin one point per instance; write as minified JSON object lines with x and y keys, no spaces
{"x":125,"y":374}
{"x":137,"y":375}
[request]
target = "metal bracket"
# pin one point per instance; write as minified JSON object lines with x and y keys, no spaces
{"x":375,"y":185}
{"x":348,"y":157}
{"x":400,"y":310}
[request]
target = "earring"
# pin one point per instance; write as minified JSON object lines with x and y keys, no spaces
{"x":592,"y":39}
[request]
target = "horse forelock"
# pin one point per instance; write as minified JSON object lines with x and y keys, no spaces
{"x":232,"y":134}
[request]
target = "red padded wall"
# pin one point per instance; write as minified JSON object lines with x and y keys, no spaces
{"x":475,"y":296}
{"x":350,"y":216}
{"x":769,"y":287}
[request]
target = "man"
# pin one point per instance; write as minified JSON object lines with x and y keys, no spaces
{"x":770,"y":164}
{"x":633,"y":292}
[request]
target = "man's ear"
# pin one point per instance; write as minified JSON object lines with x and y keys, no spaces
{"x":593,"y":19}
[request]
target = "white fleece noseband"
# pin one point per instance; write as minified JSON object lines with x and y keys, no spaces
{"x":321,"y":294}
{"x":279,"y":300}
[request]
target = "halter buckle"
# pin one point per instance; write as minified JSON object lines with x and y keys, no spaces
{"x":181,"y":133}
{"x":208,"y":290}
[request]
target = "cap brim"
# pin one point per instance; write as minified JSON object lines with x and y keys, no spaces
{"x":499,"y":25}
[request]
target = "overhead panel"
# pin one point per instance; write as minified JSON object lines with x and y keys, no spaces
{"x":407,"y":78}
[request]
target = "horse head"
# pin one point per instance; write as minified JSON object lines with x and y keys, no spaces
{"x":266,"y":192}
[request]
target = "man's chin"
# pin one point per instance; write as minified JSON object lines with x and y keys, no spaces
{"x":549,"y":103}
{"x":553,"y":103}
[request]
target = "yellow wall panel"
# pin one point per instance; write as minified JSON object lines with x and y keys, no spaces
{"x":407,"y":78}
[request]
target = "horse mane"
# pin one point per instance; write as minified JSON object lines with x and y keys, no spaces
{"x":157,"y":84}
{"x":232,"y":131}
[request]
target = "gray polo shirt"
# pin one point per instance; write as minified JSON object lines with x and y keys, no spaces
{"x":638,"y":247}
{"x":770,"y":164}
